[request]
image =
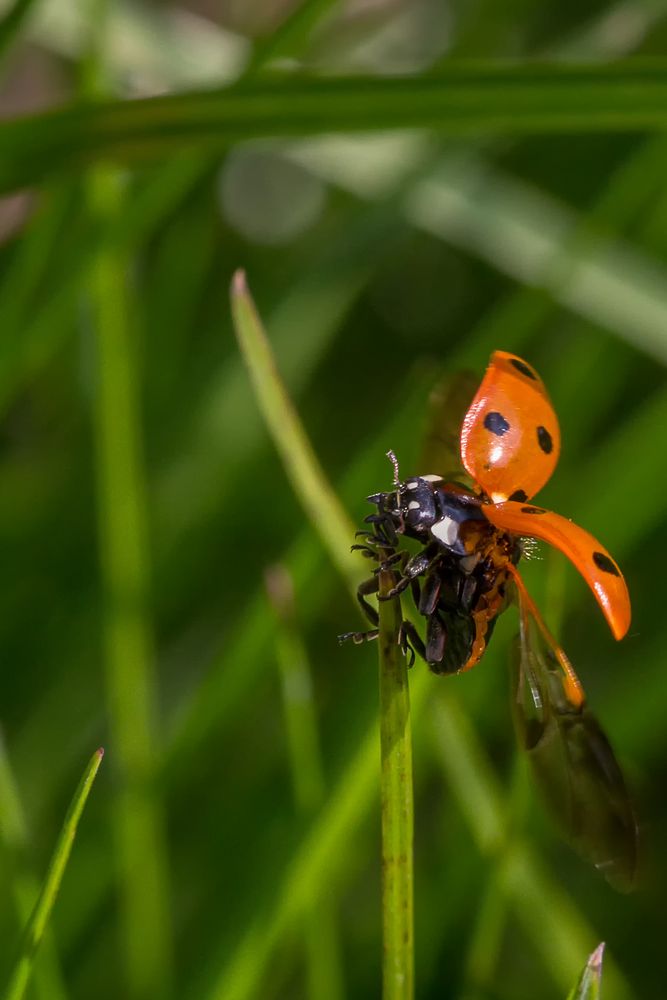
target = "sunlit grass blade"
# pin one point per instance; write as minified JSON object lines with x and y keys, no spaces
{"x":34,"y":931}
{"x":491,"y":98}
{"x":309,"y":483}
{"x":588,"y":987}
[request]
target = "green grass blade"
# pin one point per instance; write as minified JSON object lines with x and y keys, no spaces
{"x":588,"y":987}
{"x":310,"y":485}
{"x":37,"y":924}
{"x":478,"y":98}
{"x":46,"y":974}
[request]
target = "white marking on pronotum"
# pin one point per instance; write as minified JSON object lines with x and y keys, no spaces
{"x":414,"y":505}
{"x":412,"y":484}
{"x":446,"y":530}
{"x":431,"y":478}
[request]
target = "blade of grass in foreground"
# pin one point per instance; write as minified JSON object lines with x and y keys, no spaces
{"x":463,"y":99}
{"x":47,"y":897}
{"x":588,"y":987}
{"x":46,"y":975}
{"x":309,"y":484}
{"x":130,"y":655}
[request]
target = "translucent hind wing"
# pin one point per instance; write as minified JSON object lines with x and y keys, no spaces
{"x":448,"y":404}
{"x":572,"y":760}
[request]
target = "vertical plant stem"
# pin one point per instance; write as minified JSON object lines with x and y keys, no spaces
{"x":123,"y":531}
{"x":397,"y":805}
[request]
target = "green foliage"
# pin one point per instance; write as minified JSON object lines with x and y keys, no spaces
{"x":512,"y":196}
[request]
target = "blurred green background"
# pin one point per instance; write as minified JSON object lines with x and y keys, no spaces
{"x":231,"y":844}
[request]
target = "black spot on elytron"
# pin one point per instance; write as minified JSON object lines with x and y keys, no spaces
{"x":604,"y":563}
{"x":522,"y":367}
{"x":519,"y":495}
{"x":532,"y":510}
{"x":496,"y":423}
{"x":544,"y":440}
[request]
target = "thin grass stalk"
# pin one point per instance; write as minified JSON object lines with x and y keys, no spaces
{"x":37,"y":924}
{"x":130,"y":654}
{"x":397,"y":804}
{"x":308,"y":481}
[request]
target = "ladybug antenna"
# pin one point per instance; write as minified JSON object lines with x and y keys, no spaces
{"x":394,"y":461}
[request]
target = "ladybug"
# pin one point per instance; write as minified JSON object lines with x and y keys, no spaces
{"x":470,"y":539}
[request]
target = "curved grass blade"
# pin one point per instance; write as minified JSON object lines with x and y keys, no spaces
{"x":34,"y":931}
{"x":310,"y":485}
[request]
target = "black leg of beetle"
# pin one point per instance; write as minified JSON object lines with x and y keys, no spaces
{"x":397,"y":559}
{"x":430,"y":594}
{"x":384,"y":527}
{"x":410,"y":642}
{"x":358,"y":637}
{"x":364,"y":589}
{"x":413,"y":568}
{"x":435,"y":640}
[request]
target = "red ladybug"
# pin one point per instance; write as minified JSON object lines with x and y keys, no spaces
{"x":465,"y":574}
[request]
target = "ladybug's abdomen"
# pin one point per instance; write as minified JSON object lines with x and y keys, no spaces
{"x":466,"y":611}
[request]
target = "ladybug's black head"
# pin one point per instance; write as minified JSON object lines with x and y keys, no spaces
{"x":429,"y":509}
{"x":411,"y":507}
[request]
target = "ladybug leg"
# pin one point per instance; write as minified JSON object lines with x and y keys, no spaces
{"x":410,"y":642}
{"x":435,"y":640}
{"x":358,"y":637}
{"x":364,"y":589}
{"x":383,"y":528}
{"x":430,"y":594}
{"x":414,"y":567}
